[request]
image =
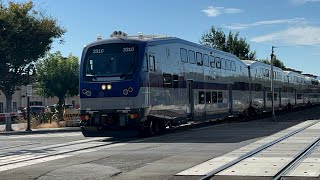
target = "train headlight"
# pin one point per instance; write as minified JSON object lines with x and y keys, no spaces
{"x":109,"y":87}
{"x":103,"y":87}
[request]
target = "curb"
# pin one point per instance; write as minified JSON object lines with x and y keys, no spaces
{"x":41,"y":131}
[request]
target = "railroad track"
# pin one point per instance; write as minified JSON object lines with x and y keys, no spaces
{"x":299,"y":157}
{"x":273,"y":158}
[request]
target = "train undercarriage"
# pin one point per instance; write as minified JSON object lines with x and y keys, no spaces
{"x":121,"y":124}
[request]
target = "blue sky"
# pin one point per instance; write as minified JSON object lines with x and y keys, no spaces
{"x":293,"y":26}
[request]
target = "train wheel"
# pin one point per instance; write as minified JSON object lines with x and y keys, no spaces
{"x":87,"y":132}
{"x":156,"y":127}
{"x":162,"y":127}
{"x":246,"y":113}
{"x":152,"y":127}
{"x":250,"y":112}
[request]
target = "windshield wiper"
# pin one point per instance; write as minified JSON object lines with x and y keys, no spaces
{"x":93,"y":76}
{"x":124,"y":75}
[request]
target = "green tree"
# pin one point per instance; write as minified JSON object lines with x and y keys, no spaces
{"x":231,"y":43}
{"x":214,"y":38}
{"x":58,"y":76}
{"x":25,"y":36}
{"x":277,"y":62}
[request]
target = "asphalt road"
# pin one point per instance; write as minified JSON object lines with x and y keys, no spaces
{"x":69,"y":155}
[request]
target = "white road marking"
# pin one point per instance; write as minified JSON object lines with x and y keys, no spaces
{"x":31,"y":136}
{"x":12,"y":160}
{"x":55,"y":157}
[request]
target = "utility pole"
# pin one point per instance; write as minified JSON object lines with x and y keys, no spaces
{"x":272,"y":84}
{"x":28,"y":99}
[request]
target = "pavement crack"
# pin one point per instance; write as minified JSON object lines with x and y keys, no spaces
{"x":36,"y":178}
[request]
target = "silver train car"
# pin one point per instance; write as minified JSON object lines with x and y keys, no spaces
{"x":312,"y":92}
{"x":260,"y":77}
{"x":298,"y":89}
{"x":143,"y":84}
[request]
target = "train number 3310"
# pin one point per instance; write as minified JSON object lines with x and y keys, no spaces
{"x":98,"y":51}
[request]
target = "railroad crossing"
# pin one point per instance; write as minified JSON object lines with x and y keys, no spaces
{"x":259,"y":149}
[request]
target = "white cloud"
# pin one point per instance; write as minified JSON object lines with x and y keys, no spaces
{"x":238,"y":26}
{"x":232,"y":10}
{"x":300,"y":2}
{"x":301,"y":36}
{"x":216,"y":11}
{"x":212,"y":11}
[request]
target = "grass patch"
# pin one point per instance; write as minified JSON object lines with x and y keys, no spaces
{"x":46,"y":125}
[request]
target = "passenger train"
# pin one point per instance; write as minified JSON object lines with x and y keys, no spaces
{"x":145,"y":83}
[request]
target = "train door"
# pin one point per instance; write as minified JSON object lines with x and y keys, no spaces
{"x":295,"y":97}
{"x":146,"y":78}
{"x":153,"y":97}
{"x":230,"y":99}
{"x":280,"y":98}
{"x":264,"y":98}
{"x":190,"y":107}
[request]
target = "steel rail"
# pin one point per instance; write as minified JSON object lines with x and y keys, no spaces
{"x":302,"y":154}
{"x":255,"y":151}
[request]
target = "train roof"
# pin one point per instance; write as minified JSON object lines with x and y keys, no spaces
{"x":311,"y":76}
{"x":257,"y":63}
{"x":293,"y":72}
{"x":157,"y":40}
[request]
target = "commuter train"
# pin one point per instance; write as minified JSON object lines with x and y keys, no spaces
{"x":145,"y":83}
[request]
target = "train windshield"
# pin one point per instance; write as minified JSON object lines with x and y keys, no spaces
{"x":110,"y":60}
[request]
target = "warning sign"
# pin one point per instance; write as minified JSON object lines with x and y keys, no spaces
{"x":29,"y":90}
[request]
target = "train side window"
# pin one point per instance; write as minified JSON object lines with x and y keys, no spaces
{"x":184,"y":55}
{"x":218,"y":62}
{"x":259,"y":87}
{"x":208,"y":97}
{"x":145,"y":63}
{"x":175,"y":81}
{"x":223,"y":63}
{"x":201,"y":97}
{"x":220,"y":97}
{"x":242,"y":86}
{"x":233,"y":66}
{"x":228,"y":65}
{"x":267,"y":74}
{"x":89,"y":64}
{"x":206,"y":60}
{"x":269,"y":96}
{"x":214,"y":97}
{"x":167,"y":80}
{"x":299,"y":96}
{"x":212,"y":62}
{"x":199,"y":59}
{"x":152,"y":63}
{"x":192,"y":58}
